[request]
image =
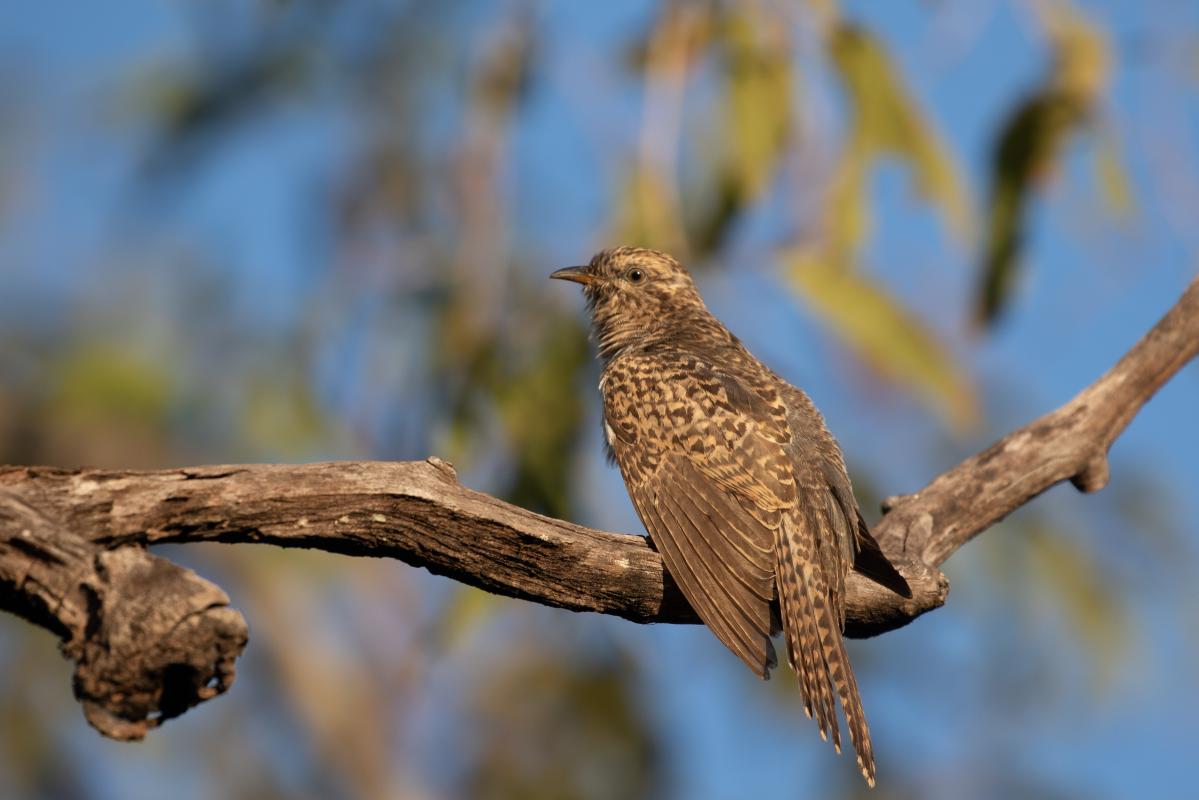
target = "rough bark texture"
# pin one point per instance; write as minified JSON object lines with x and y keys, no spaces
{"x":1070,"y":443}
{"x":151,"y":639}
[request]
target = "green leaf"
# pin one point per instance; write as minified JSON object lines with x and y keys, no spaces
{"x":467,"y":612}
{"x":649,"y":202}
{"x":882,"y":333}
{"x":103,"y":383}
{"x":758,"y":102}
{"x":752,"y":117}
{"x":542,"y":411}
{"x":559,"y":724}
{"x":281,"y":416}
{"x":1032,"y":140}
{"x":1029,"y":144}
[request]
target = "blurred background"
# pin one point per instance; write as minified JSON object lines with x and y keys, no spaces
{"x":252,"y":230}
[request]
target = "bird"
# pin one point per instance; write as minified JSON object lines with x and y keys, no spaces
{"x":742,"y":489}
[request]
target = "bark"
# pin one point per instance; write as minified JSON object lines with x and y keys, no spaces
{"x":151,"y":639}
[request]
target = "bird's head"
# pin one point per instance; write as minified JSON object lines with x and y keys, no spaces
{"x":633,"y":293}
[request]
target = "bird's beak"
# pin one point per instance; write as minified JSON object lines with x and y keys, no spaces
{"x":576,"y":274}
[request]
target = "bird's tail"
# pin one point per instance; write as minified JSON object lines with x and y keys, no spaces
{"x":873,"y":563}
{"x":817,"y":651}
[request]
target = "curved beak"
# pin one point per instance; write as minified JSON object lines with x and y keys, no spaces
{"x":576,"y":274}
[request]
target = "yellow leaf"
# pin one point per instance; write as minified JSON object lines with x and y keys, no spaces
{"x":1077,"y":587}
{"x":759,"y":99}
{"x":886,"y":121}
{"x":1113,"y":178}
{"x":885,"y":335}
{"x":751,"y":121}
{"x":1081,"y":63}
{"x":649,"y":213}
{"x":847,"y":220}
{"x":467,"y":612}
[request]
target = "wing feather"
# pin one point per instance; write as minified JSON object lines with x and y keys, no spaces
{"x":737,"y":537}
{"x":683,"y":550}
{"x":733,"y":599}
{"x":748,"y":502}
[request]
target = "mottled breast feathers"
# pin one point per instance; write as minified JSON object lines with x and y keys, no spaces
{"x":710,"y":481}
{"x":741,"y":487}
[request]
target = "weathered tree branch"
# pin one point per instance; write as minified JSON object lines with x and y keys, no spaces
{"x":1070,"y":443}
{"x":151,"y":639}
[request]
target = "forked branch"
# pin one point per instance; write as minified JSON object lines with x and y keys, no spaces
{"x":151,"y":639}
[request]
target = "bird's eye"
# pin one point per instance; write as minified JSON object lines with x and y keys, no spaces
{"x":635,"y":275}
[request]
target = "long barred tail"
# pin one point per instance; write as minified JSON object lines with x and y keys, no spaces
{"x":841,"y":671}
{"x":817,"y":653}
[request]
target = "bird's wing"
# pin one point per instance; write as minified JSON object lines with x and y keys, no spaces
{"x":851,"y":543}
{"x":710,"y":484}
{"x":735,"y":496}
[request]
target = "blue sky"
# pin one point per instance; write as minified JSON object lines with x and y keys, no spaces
{"x":1094,"y":283}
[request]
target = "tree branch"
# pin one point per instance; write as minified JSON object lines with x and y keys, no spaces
{"x":1070,"y":443}
{"x":151,"y":639}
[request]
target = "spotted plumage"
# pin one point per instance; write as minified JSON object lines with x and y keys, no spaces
{"x":741,"y":487}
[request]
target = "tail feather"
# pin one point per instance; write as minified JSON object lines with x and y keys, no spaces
{"x":816,"y":671}
{"x":803,"y":651}
{"x":817,"y":652}
{"x":851,"y":703}
{"x":874,"y":564}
